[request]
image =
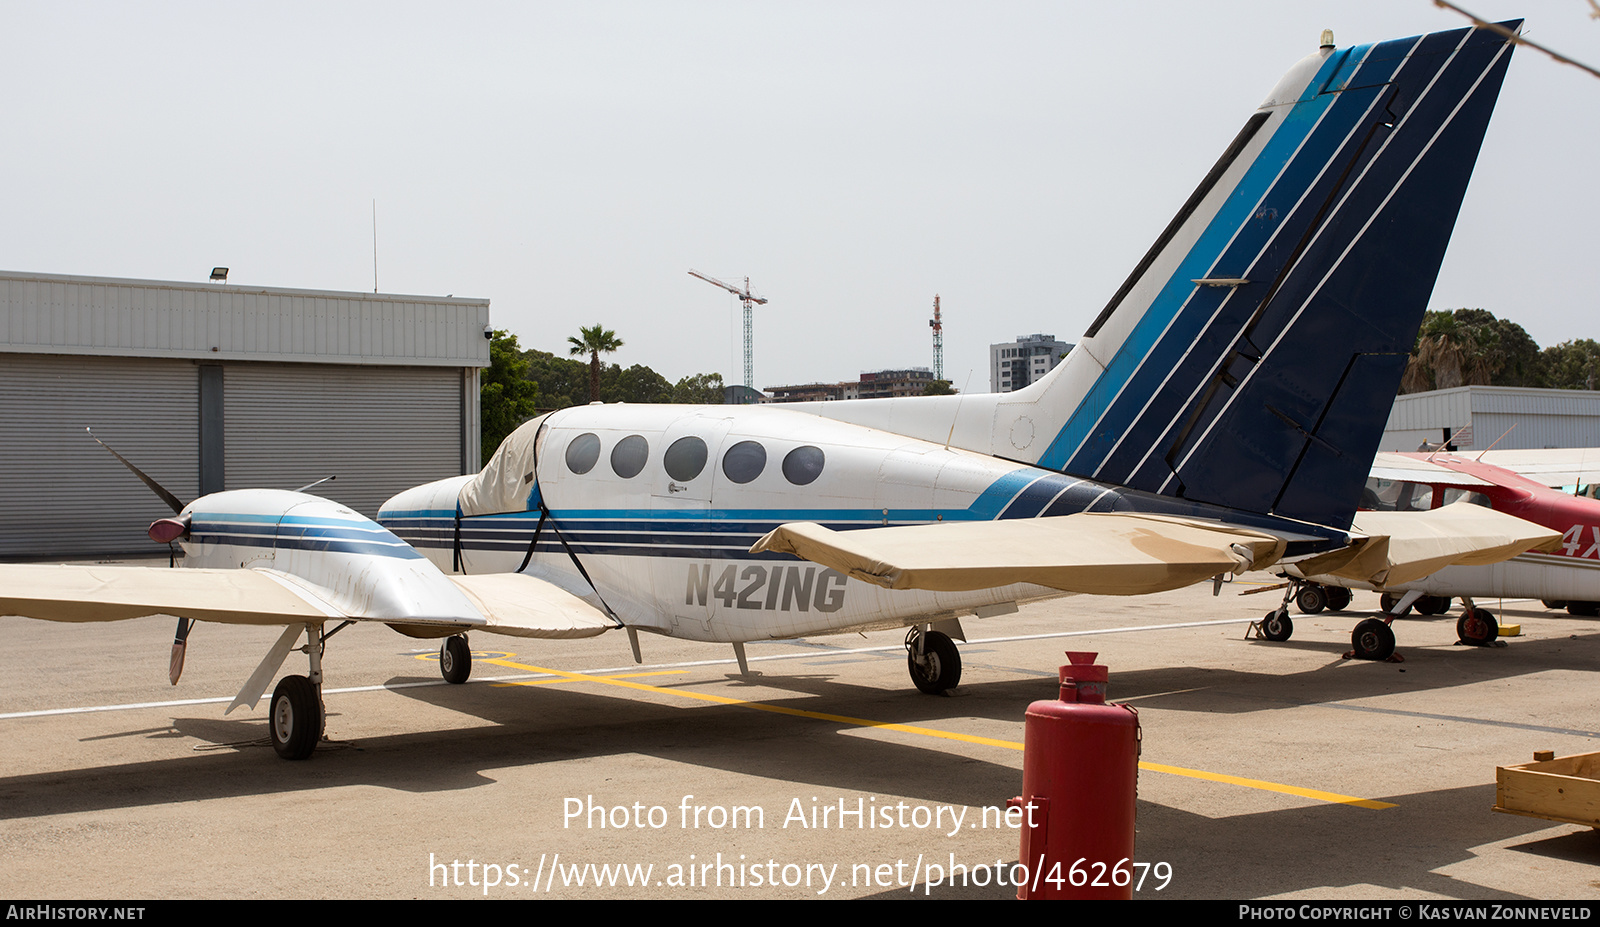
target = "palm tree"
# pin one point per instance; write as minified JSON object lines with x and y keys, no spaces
{"x":1454,"y":348}
{"x":592,"y":341}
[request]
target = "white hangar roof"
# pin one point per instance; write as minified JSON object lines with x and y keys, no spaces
{"x":58,"y":314}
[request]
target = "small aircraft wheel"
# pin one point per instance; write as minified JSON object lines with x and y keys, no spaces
{"x":1310,"y":600}
{"x":455,"y":659}
{"x":1372,"y":640}
{"x":940,"y":668}
{"x":295,"y":717}
{"x":1477,"y":628}
{"x":1551,"y":603}
{"x":1433,"y":604}
{"x":1276,"y":626}
{"x":1583,"y":609}
{"x":1338,"y":598}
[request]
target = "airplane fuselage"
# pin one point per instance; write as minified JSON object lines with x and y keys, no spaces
{"x":661,"y":504}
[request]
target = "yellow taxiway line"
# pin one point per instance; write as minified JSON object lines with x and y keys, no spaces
{"x":622,"y":681}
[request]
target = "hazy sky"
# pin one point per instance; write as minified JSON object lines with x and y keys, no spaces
{"x":571,"y":161}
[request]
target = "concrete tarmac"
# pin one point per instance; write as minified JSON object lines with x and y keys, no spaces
{"x":1274,"y":770}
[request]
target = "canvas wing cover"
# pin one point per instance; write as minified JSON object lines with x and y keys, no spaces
{"x":524,"y":606}
{"x":74,"y":592}
{"x":1402,"y":547}
{"x":1094,"y":554}
{"x":512,"y":604}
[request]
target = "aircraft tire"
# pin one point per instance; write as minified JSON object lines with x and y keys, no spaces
{"x":295,"y":717}
{"x":1551,"y":603}
{"x":1311,"y":599}
{"x":1583,"y":609}
{"x":941,"y":667}
{"x":1338,"y":598}
{"x":455,"y":659}
{"x":1277,"y":626}
{"x":1433,"y":604}
{"x":1477,"y":628}
{"x":1372,"y":640}
{"x":1388,"y":601}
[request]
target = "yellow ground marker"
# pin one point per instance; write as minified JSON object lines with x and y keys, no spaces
{"x":1316,"y":794}
{"x":567,"y":676}
{"x":559,"y":681}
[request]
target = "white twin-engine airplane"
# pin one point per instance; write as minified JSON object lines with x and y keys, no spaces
{"x":1219,"y":415}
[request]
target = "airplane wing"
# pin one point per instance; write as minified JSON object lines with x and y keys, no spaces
{"x":1400,"y":467}
{"x":512,"y":604}
{"x":1552,"y":466}
{"x":524,"y":606}
{"x":1095,"y":554}
{"x":1401,"y":547}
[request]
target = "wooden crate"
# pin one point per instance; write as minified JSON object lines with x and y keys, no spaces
{"x":1566,"y":789}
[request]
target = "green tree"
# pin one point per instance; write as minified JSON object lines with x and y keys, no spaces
{"x":562,"y":381}
{"x":594,"y":341}
{"x":636,"y":384}
{"x":702,"y":389}
{"x":939,"y":388}
{"x":506,"y":398}
{"x":1571,"y":365}
{"x":1470,"y":347}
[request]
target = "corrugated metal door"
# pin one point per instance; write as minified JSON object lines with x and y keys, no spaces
{"x":378,"y":429}
{"x":63,"y":495}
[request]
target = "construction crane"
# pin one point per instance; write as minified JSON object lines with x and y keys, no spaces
{"x":749,"y":299}
{"x":937,"y":325}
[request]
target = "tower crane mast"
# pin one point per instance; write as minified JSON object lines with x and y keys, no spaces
{"x":750,"y":300}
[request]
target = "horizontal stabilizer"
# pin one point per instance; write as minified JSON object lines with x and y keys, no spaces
{"x":1402,"y":547}
{"x":1094,"y":554}
{"x":523,"y":606}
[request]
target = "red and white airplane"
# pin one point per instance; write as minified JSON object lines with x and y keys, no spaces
{"x":1565,"y":575}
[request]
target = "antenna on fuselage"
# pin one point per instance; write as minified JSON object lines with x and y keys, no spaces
{"x":326,"y":479}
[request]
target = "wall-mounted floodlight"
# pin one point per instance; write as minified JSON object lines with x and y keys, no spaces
{"x":219,"y":274}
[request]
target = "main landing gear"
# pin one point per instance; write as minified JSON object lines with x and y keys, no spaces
{"x":1477,"y":627}
{"x":295,"y":716}
{"x":1311,"y":598}
{"x":1372,"y":638}
{"x":932,"y":659}
{"x":455,"y":659}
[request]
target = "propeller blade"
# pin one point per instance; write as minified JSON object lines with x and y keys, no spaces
{"x":157,"y":488}
{"x":179,"y":645}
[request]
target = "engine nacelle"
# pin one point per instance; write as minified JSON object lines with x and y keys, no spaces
{"x":346,"y":562}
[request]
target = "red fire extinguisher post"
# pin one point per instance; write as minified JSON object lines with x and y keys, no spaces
{"x":1080,"y":771}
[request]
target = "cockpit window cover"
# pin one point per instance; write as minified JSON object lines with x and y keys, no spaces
{"x":507,"y":481}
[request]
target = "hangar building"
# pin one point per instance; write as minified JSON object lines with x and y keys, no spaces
{"x":1474,"y":417}
{"x":208,"y":387}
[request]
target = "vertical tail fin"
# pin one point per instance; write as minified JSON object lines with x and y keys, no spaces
{"x":1251,"y":358}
